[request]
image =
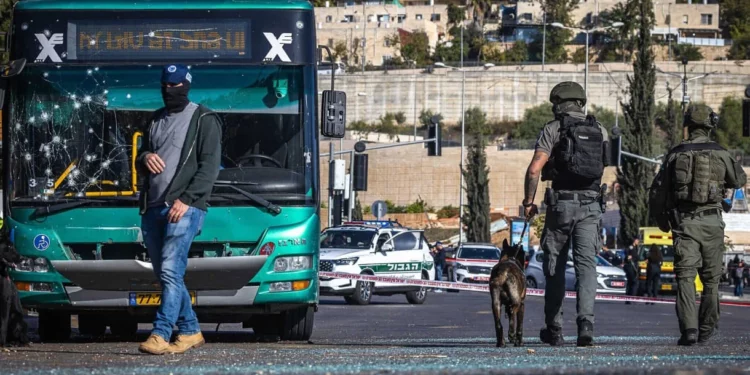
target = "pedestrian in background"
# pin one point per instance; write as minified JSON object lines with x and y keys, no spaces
{"x":631,"y":273}
{"x":738,"y":284}
{"x":653,"y":272}
{"x":438,"y":255}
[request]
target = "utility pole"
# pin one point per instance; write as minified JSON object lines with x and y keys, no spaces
{"x":463,"y":129}
{"x":544,"y":36}
{"x":364,"y":35}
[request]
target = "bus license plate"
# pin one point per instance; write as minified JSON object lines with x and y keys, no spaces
{"x":666,"y":287}
{"x":151,"y":298}
{"x":618,"y":283}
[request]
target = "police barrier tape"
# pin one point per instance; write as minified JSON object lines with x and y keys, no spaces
{"x":485,"y":288}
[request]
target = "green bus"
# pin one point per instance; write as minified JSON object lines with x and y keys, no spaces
{"x":81,"y":87}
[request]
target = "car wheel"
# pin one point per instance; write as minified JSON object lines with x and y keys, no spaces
{"x":531,"y":283}
{"x":363,"y":293}
{"x":419,"y":296}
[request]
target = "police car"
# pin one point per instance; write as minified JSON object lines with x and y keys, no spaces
{"x":474,"y":262}
{"x":380,"y":248}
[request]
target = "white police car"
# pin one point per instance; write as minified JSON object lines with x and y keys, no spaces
{"x":380,"y":248}
{"x":474,"y":262}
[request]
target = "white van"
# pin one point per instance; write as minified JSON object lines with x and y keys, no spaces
{"x":325,"y":68}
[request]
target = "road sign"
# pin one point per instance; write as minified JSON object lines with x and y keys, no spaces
{"x":379,"y":209}
{"x":515,"y":236}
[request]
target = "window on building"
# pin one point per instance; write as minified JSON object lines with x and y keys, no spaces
{"x":685,"y":20}
{"x":329,"y":19}
{"x":419,"y":17}
{"x":349,"y":18}
{"x":526,"y":17}
{"x":401,"y":18}
{"x":435,"y":17}
{"x":707,"y":19}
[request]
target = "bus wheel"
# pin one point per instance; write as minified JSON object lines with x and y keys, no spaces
{"x":297,"y":324}
{"x":418,"y":297}
{"x":54,"y":326}
{"x":91,"y":325}
{"x":125,"y":328}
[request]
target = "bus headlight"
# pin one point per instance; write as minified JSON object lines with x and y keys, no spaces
{"x":295,"y":263}
{"x":29,"y":264}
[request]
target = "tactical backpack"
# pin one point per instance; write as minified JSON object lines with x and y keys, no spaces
{"x":580,"y":152}
{"x":697,"y":174}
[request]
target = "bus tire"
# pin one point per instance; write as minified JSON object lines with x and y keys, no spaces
{"x":297,"y":324}
{"x":418,"y":297}
{"x":54,"y":326}
{"x":91,"y":325}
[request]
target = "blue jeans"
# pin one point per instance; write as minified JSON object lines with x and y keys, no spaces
{"x":168,"y":246}
{"x":439,"y":272}
{"x":738,"y":287}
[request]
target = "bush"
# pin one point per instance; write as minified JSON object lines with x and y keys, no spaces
{"x":418,"y":207}
{"x":447,"y":212}
{"x":687,"y":51}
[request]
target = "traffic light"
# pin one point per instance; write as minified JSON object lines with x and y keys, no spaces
{"x":360,"y":172}
{"x":434,"y":131}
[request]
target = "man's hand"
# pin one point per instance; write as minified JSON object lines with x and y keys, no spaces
{"x":530,"y":211}
{"x":154,"y":164}
{"x":177,"y":211}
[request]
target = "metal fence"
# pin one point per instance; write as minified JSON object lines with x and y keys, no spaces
{"x":704,"y":41}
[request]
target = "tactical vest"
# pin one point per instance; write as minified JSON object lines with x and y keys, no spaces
{"x":578,"y":158}
{"x":698,"y":173}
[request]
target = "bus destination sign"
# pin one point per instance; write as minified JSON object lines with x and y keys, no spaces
{"x":132,"y":40}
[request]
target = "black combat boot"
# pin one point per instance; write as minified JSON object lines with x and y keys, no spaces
{"x":585,"y":333}
{"x":688,"y":338}
{"x":552,"y":336}
{"x":704,"y":337}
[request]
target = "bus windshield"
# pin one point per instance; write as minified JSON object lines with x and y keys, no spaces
{"x":75,"y":130}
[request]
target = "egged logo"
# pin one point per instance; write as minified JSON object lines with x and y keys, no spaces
{"x":48,"y":47}
{"x":277,"y":46}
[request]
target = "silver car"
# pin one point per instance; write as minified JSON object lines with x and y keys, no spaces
{"x":609,"y":279}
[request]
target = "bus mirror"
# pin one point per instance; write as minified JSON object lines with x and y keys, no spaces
{"x":13,"y":68}
{"x":333,"y":114}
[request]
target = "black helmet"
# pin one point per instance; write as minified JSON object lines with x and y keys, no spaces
{"x":567,"y":91}
{"x":701,"y":115}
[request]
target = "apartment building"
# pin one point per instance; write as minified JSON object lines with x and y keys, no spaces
{"x":685,"y":22}
{"x":369,"y":26}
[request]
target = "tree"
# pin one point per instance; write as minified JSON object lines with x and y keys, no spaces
{"x":387,"y":125}
{"x":579,"y":56}
{"x":477,"y":183}
{"x":636,"y":175}
{"x":557,"y":11}
{"x":735,"y":18}
{"x":729,"y":129}
{"x":357,"y":213}
{"x":400,"y":118}
{"x":623,"y":46}
{"x":519,"y":52}
{"x":533,"y":121}
{"x":673,"y":126}
{"x":426,"y":115}
{"x":686,"y":51}
{"x":340,"y":52}
{"x":414,"y":47}
{"x":456,"y":14}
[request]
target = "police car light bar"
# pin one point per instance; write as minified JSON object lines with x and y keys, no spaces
{"x":377,"y":223}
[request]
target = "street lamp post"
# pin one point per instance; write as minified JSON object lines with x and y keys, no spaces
{"x":684,"y":79}
{"x":586,"y":31}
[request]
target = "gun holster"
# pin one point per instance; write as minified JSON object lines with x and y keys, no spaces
{"x":550,"y":199}
{"x":602,"y":199}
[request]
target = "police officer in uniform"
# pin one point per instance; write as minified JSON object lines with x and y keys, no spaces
{"x":686,"y":197}
{"x":571,"y":152}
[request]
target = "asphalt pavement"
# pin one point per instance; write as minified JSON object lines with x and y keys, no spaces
{"x":450,"y":334}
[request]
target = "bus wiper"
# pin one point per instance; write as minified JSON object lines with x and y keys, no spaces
{"x":59,"y":207}
{"x":275,"y":209}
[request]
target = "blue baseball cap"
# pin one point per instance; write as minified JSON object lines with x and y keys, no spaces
{"x":176,"y":74}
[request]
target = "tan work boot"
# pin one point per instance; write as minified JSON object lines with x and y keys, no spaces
{"x":185,"y":342}
{"x":155,"y":344}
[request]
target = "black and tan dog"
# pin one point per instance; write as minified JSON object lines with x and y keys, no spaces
{"x":508,"y":287}
{"x":13,"y":329}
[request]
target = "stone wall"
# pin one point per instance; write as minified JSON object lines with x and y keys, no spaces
{"x":504,"y":93}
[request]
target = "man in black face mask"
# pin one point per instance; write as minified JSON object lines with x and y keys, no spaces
{"x":173,"y":202}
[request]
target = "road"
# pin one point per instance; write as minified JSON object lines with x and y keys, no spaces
{"x":450,"y":333}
